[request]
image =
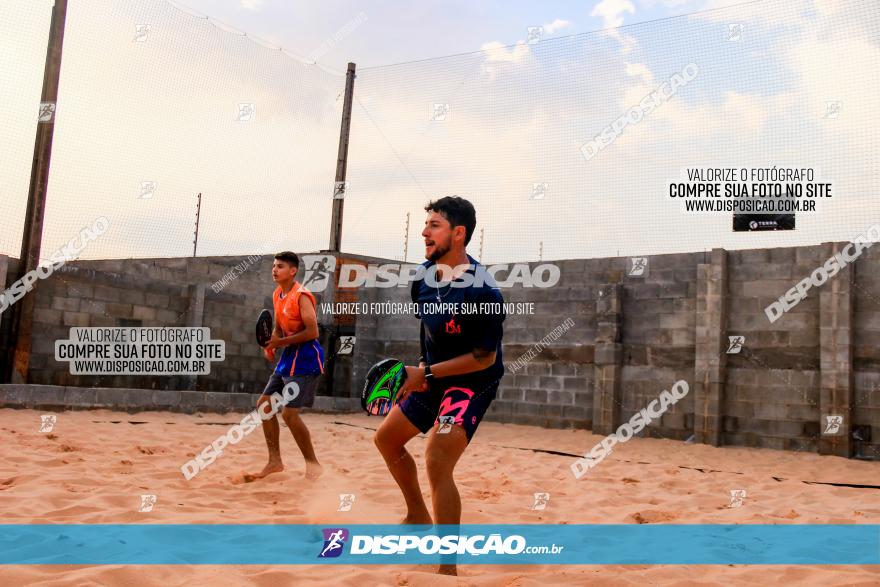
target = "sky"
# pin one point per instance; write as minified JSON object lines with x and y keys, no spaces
{"x":395,"y":32}
{"x":161,"y":101}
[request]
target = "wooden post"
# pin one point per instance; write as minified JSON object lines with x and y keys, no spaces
{"x":31,"y":240}
{"x":342,"y":163}
{"x":196,"y":235}
{"x":331,"y":332}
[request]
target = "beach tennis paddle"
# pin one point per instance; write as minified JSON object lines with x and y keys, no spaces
{"x":382,"y":383}
{"x":264,"y":328}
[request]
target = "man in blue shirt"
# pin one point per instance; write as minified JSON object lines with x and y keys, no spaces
{"x":459,"y":370}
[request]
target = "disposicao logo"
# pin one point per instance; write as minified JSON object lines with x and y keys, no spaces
{"x":334,"y":541}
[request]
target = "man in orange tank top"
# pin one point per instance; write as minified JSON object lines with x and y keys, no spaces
{"x":300,"y":365}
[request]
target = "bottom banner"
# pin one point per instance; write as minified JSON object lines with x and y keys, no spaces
{"x":581,"y":544}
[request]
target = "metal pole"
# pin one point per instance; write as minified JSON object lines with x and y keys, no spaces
{"x":31,"y":239}
{"x":406,"y":239}
{"x":328,"y":320}
{"x":198,"y":211}
{"x":342,"y":162}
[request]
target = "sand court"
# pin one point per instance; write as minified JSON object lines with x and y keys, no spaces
{"x":95,"y":466}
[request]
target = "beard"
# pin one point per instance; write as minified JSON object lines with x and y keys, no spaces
{"x":439,"y":251}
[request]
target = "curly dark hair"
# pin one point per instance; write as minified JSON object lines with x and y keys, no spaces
{"x":458,"y":211}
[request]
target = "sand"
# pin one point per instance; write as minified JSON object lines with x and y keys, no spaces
{"x":94,"y":465}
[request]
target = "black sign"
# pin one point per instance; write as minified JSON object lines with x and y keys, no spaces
{"x":750,"y":222}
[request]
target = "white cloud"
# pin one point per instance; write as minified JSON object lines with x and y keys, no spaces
{"x":557,"y":24}
{"x":251,"y":4}
{"x":612,"y":12}
{"x":760,"y":14}
{"x":739,"y":116}
{"x":824,"y":74}
{"x":499,"y":52}
{"x":640,"y":70}
{"x":496,"y":51}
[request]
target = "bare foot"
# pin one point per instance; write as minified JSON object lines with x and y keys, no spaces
{"x":423,"y":518}
{"x":447,"y":570}
{"x":267,"y":470}
{"x":313,"y":470}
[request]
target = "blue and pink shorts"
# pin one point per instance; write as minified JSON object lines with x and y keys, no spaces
{"x":462,"y":403}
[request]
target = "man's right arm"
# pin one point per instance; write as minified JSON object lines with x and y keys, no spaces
{"x":408,"y":385}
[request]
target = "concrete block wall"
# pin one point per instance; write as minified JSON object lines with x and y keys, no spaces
{"x":104,"y":293}
{"x":555,"y":388}
{"x":156,"y":292}
{"x":633,"y":336}
{"x":772,"y":387}
{"x":173,"y":292}
{"x":8,"y":271}
{"x":866,"y":355}
{"x":659,"y":340}
{"x":231,"y":314}
{"x":637,"y":335}
{"x":710,"y":360}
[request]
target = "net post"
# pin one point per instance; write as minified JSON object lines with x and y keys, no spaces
{"x":31,"y":240}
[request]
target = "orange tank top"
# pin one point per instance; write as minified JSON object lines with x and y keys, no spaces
{"x":287,"y":310}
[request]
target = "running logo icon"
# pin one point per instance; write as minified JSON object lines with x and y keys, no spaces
{"x":319,"y":268}
{"x":832,"y":109}
{"x":446,"y":423}
{"x":339,"y":189}
{"x":147,"y":503}
{"x":246,"y":112}
{"x":140,"y":33}
{"x":334,"y":541}
{"x":833,"y":424}
{"x":735,"y":344}
{"x":346,"y":345}
{"x":148,"y":190}
{"x":736,"y":498}
{"x":541,"y":500}
{"x":47,"y":112}
{"x":534,"y":34}
{"x":346,"y":501}
{"x":439,"y":112}
{"x":539,"y":190}
{"x":638,"y":266}
{"x":47,"y":422}
{"x":734,"y":31}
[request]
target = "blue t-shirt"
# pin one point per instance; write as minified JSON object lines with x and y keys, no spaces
{"x":446,"y":334}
